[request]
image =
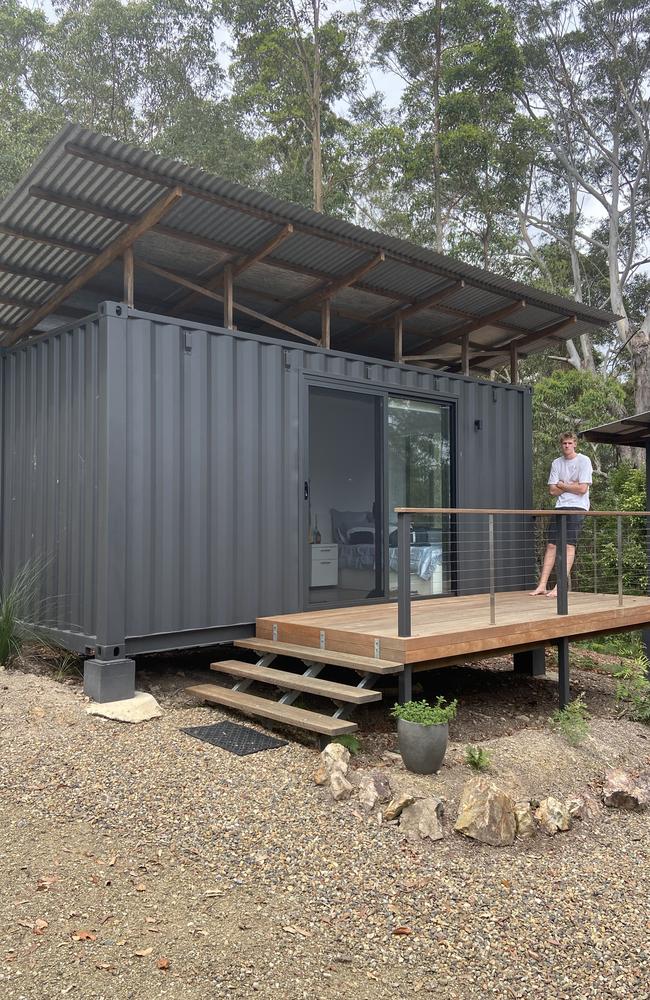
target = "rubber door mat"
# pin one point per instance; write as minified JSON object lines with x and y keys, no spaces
{"x":236,"y":739}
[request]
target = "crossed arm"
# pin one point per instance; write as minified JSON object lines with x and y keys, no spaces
{"x":561,"y":487}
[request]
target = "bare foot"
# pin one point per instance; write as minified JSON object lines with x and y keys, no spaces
{"x":552,"y":593}
{"x":538,"y":592}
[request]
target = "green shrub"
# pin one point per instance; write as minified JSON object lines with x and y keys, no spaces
{"x":571,"y":722}
{"x":17,"y":599}
{"x":425,"y":714}
{"x":633,"y":689}
{"x":349,"y":741}
{"x":477,"y":758}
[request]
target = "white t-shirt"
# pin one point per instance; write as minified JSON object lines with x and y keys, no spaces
{"x":571,"y":470}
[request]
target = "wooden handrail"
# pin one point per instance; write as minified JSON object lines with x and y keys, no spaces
{"x":533,"y":513}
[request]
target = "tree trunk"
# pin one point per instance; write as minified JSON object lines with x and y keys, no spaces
{"x":316,"y":150}
{"x":437,"y":170}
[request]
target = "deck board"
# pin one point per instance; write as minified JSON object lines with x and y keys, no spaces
{"x":451,"y":626}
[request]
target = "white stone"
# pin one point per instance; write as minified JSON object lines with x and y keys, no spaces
{"x":423,"y":820}
{"x":373,"y":788}
{"x":340,"y":787}
{"x":553,"y":816}
{"x":335,"y":757}
{"x":140,"y":708}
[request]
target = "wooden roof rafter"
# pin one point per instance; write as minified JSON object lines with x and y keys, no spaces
{"x":491,"y":319}
{"x":330,"y":288}
{"x":115,"y":249}
{"x":209,"y":293}
{"x":388,"y":317}
{"x":550,"y":330}
{"x":238,"y":265}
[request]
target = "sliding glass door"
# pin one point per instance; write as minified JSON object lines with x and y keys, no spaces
{"x":344,"y":494}
{"x":419,"y":475}
{"x":369,"y":452}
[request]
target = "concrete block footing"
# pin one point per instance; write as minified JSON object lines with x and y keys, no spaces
{"x":109,"y":680}
{"x":531,"y":663}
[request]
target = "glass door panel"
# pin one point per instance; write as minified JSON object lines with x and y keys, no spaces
{"x":345,"y":520}
{"x":419,"y":475}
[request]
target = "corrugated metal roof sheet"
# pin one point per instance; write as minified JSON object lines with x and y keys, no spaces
{"x":86,"y":188}
{"x":633,"y":431}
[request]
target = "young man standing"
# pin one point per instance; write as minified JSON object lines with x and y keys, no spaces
{"x":569,"y":481}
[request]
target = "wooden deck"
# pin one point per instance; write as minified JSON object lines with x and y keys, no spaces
{"x":451,"y":627}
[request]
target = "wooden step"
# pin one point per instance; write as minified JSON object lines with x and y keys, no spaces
{"x":297,"y":682}
{"x":364,"y":663}
{"x":249,"y":704}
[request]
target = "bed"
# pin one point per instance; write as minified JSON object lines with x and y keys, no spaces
{"x":354,"y":533}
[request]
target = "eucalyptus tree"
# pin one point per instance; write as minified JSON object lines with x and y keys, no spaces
{"x":292,"y":62}
{"x":145,"y":71}
{"x":460,"y":147}
{"x":588,"y":66}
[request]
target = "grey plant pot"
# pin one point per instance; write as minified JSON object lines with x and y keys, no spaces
{"x":422,"y":748}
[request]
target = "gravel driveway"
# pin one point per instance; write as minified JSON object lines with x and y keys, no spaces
{"x":137,"y":862}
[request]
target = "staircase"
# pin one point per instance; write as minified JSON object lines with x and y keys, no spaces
{"x":345,"y":697}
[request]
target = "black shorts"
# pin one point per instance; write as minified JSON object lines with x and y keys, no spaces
{"x":574,"y":524}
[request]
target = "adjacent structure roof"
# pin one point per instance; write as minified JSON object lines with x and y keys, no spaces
{"x":96,"y":219}
{"x":633,"y":431}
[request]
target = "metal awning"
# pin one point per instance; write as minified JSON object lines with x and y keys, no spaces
{"x":632,"y":431}
{"x":96,"y":219}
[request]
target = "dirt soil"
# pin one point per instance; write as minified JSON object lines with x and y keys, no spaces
{"x":137,"y":863}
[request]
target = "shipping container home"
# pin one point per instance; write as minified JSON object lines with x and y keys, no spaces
{"x":213,"y":402}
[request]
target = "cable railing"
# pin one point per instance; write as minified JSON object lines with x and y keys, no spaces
{"x":499,"y":552}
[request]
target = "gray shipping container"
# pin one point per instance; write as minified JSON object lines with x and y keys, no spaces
{"x":157,"y":471}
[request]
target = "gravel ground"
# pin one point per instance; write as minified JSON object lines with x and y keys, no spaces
{"x":139,"y":863}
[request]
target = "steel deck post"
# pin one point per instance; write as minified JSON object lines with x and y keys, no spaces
{"x":403,"y":575}
{"x":563,"y":671}
{"x":560,"y":568}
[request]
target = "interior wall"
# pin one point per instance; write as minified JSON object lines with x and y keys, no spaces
{"x":341,"y":446}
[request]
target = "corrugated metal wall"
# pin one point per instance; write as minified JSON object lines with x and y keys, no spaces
{"x":49,"y":473}
{"x":211,"y":482}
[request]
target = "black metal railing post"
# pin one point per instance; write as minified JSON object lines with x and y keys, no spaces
{"x":403,"y":574}
{"x":560,"y":567}
{"x":619,"y":558}
{"x":493,"y":616}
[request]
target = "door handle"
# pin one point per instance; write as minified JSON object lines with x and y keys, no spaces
{"x":306,"y":489}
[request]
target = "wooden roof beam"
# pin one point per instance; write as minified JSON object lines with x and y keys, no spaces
{"x":491,"y":319}
{"x":23,"y":272}
{"x":208,"y":293}
{"x":332,"y":287}
{"x":238,"y":266}
{"x":74,"y":149}
{"x":126,"y":239}
{"x":388,"y":316}
{"x":207,"y":243}
{"x":548,"y":331}
{"x":52,"y":241}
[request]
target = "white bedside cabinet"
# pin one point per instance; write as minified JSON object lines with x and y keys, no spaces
{"x":324,"y":565}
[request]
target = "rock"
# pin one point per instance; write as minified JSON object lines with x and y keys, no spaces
{"x":624,"y":791}
{"x":524,"y":820}
{"x":590,"y":806}
{"x":322,"y":775}
{"x":423,"y":820}
{"x":141,"y":708}
{"x":340,"y":787}
{"x":576,"y":808}
{"x":553,"y":816}
{"x":373,"y":788}
{"x":486,"y":813}
{"x":333,"y":758}
{"x":336,"y":757}
{"x":396,"y":805}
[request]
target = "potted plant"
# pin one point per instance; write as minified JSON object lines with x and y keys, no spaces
{"x":423,"y":733}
